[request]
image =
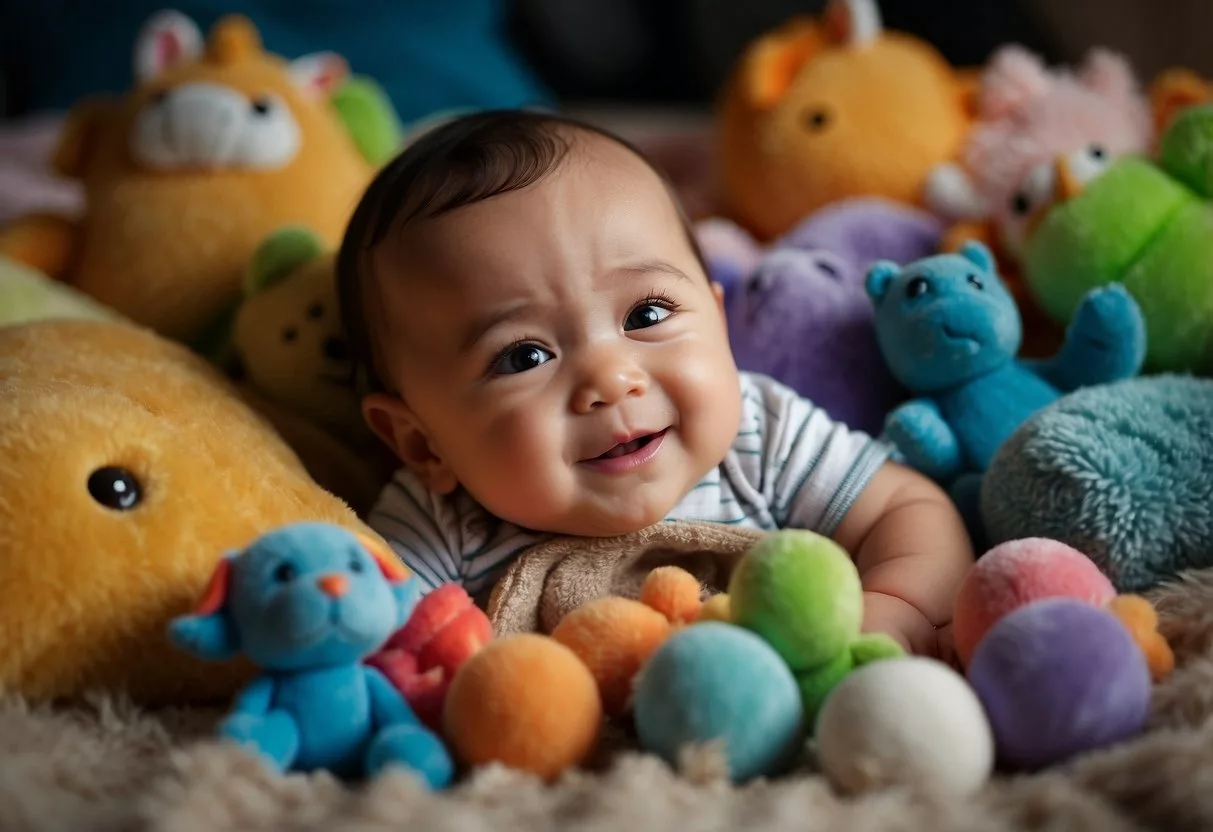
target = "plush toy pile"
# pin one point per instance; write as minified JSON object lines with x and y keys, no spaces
{"x":999,"y":270}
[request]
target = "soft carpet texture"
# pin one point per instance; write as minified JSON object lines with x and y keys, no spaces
{"x":105,"y":766}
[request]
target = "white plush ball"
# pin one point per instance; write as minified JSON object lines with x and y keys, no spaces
{"x":906,"y":721}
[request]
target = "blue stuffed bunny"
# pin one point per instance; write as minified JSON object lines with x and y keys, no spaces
{"x":949,"y":330}
{"x":308,"y":603}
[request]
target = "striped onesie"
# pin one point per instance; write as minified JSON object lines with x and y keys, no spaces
{"x":791,"y":466}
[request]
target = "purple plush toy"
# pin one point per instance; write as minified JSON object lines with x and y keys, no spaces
{"x":798,"y":312}
{"x":1059,"y":677}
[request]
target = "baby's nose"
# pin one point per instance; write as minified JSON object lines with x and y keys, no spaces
{"x":333,"y":586}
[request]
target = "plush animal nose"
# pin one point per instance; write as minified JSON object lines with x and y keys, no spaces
{"x":1066,"y":184}
{"x":335,"y":349}
{"x":333,"y":586}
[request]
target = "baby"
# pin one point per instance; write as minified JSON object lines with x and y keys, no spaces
{"x":546,"y":355}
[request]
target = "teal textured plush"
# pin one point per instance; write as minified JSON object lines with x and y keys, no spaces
{"x":1123,"y":473}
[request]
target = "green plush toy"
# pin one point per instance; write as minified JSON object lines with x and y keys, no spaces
{"x":28,"y":295}
{"x":1148,"y":226}
{"x":801,"y":592}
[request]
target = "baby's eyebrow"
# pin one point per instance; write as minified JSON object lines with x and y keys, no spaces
{"x":647,"y":267}
{"x":480,"y":326}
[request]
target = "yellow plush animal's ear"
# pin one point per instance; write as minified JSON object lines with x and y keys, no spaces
{"x":79,"y":137}
{"x":279,"y":255}
{"x":853,"y":23}
{"x":772,"y":62}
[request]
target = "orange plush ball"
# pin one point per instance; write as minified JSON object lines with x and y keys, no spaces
{"x":673,"y":592}
{"x":525,"y":701}
{"x":613,"y":637}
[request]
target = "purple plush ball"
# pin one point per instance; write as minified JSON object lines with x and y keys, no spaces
{"x":1059,"y":677}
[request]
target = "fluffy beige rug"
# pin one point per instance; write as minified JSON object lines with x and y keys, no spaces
{"x":107,"y":766}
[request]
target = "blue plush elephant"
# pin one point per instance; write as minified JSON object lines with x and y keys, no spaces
{"x":307,"y":603}
{"x":950,"y":332}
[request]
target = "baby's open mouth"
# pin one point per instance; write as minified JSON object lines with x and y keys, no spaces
{"x":629,"y":447}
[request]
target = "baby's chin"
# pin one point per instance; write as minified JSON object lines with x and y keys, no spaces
{"x":597,"y":521}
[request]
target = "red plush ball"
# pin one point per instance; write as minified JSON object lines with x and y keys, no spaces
{"x":1016,"y":573}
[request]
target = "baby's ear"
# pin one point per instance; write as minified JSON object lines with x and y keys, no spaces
{"x":880,"y":275}
{"x":977,"y":254}
{"x":208,"y":632}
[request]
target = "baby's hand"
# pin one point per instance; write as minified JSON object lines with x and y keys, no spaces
{"x":907,"y":626}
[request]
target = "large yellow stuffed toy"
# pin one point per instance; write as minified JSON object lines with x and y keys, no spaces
{"x":128,"y":467}
{"x":824,"y":109}
{"x":218,"y":144}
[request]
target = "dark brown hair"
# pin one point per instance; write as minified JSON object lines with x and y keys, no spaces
{"x":463,"y":161}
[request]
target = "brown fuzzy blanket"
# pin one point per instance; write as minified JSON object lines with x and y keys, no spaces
{"x":110,"y":767}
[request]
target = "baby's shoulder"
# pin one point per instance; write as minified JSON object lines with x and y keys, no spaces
{"x":767,"y":403}
{"x":406,"y":498}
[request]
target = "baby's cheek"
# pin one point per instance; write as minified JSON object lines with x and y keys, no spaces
{"x":521,"y":456}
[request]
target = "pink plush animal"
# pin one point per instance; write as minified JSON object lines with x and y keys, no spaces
{"x":1028,"y":115}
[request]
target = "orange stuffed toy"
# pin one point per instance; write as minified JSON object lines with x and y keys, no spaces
{"x":219,"y":144}
{"x":130,"y":466}
{"x":821,"y":110}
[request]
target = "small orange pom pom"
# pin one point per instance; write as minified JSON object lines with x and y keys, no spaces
{"x":525,"y":701}
{"x":614,"y":637}
{"x":673,"y":592}
{"x":1139,"y":617}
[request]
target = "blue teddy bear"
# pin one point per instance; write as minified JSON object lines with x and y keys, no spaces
{"x":949,"y":331}
{"x":307,"y":603}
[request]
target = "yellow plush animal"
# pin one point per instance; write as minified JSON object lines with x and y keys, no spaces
{"x":129,"y":466}
{"x":218,"y":144}
{"x":288,"y":333}
{"x":821,"y":110}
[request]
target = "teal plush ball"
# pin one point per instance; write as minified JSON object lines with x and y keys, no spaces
{"x":718,"y":682}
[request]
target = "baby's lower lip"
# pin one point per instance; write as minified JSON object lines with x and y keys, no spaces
{"x":623,"y":463}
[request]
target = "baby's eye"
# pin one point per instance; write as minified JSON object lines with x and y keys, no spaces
{"x":520,"y":359}
{"x":645,"y":316}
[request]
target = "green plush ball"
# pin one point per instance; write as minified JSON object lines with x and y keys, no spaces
{"x":801,"y":592}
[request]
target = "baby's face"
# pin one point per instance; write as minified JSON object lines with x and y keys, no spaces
{"x":561,"y":348}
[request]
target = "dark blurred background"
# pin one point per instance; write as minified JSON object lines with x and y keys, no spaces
{"x":442,"y":54}
{"x":678,"y":51}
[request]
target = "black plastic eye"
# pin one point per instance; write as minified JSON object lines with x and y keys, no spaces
{"x":975,"y":282}
{"x":115,"y":488}
{"x":831,"y":269}
{"x":1097,"y":151}
{"x":261,"y":106}
{"x":816,"y":119}
{"x":316,"y":310}
{"x":159,"y":97}
{"x":1020,"y":204}
{"x":917,"y":288}
{"x":290,"y":334}
{"x":284,"y":573}
{"x":356,"y":566}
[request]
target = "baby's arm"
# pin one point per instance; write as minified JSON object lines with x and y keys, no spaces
{"x":912,"y":552}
